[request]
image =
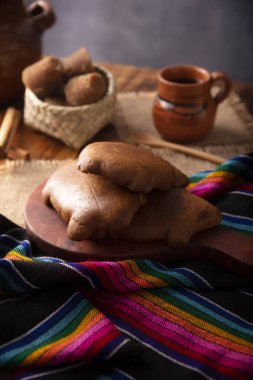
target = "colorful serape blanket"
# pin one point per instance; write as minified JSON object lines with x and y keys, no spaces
{"x":131,"y":319}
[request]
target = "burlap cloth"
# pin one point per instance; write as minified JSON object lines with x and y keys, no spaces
{"x":231,"y":135}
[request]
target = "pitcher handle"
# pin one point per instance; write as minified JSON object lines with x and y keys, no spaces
{"x":42,"y":14}
{"x":224,"y":82}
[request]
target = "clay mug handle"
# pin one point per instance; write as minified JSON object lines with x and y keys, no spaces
{"x":41,"y":14}
{"x":225,"y":84}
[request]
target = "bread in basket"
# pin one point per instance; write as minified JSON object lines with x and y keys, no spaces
{"x":72,"y":125}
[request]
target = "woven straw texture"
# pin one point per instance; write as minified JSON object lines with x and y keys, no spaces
{"x":72,"y":125}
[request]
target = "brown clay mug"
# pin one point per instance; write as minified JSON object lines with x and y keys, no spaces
{"x":184,"y":108}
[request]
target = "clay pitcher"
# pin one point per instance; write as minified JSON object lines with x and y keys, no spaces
{"x":21,"y":30}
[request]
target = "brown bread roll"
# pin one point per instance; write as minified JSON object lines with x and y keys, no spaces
{"x":85,"y":89}
{"x":77,"y":63}
{"x":44,"y":77}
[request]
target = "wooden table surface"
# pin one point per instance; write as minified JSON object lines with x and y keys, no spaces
{"x":128,"y":78}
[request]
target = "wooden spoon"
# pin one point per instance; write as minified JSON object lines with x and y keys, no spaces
{"x":151,"y":140}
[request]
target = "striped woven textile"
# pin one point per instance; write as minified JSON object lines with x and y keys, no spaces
{"x":230,"y":186}
{"x":131,"y":319}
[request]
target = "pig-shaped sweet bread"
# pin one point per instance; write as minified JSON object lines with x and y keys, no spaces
{"x":131,"y":166}
{"x":92,"y":205}
{"x":174,"y":215}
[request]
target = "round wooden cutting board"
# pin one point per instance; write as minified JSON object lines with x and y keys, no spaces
{"x":47,"y":230}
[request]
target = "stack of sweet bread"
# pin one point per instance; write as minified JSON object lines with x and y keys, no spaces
{"x":122,"y":191}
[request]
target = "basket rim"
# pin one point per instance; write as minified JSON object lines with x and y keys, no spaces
{"x":110,"y":92}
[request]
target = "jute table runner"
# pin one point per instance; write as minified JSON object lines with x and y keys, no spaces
{"x":231,"y":135}
{"x":17,"y":181}
{"x":233,"y":124}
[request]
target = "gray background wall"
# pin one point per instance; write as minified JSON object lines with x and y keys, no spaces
{"x":217,"y":34}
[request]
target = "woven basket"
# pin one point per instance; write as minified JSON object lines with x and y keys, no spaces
{"x":72,"y":125}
